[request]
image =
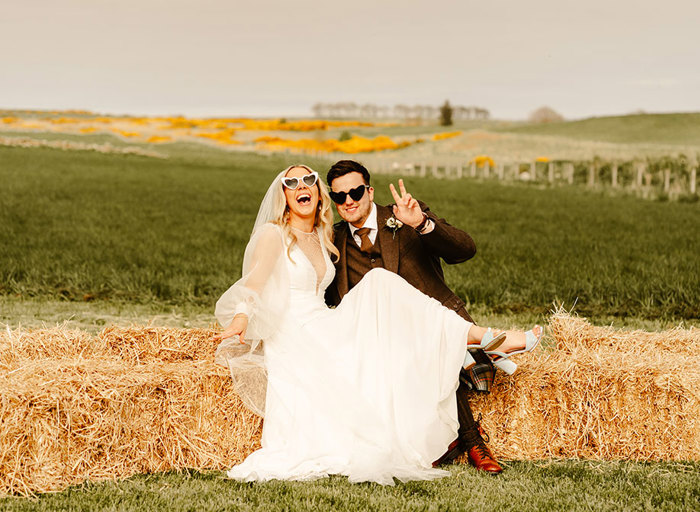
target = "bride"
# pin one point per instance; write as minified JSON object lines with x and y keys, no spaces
{"x":365,"y":390}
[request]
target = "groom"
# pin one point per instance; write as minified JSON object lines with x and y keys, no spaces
{"x":366,"y":240}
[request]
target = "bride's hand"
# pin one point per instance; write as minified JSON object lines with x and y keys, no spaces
{"x":237,"y":327}
{"x":407,"y":209}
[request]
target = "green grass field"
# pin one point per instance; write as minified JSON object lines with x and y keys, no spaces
{"x":97,"y":239}
{"x":524,"y":486}
{"x":81,"y":226}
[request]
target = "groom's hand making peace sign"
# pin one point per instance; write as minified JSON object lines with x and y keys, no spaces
{"x":407,"y":209}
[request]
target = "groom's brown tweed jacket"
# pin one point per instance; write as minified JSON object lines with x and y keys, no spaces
{"x":416,"y":258}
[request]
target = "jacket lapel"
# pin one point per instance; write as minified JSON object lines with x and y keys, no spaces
{"x":389,"y":242}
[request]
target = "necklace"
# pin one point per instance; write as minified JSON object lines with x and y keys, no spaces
{"x":303,"y":232}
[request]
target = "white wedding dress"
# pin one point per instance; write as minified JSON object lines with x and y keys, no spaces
{"x":365,"y":390}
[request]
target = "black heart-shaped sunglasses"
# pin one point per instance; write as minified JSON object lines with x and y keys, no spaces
{"x":355,"y":194}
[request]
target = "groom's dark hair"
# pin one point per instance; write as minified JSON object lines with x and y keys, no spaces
{"x":343,"y":167}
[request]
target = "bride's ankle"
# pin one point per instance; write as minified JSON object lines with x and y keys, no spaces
{"x":515,"y":340}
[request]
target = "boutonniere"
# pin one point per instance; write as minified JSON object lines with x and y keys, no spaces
{"x":394,"y":225}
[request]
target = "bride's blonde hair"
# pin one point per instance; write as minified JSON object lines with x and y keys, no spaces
{"x":324,"y":212}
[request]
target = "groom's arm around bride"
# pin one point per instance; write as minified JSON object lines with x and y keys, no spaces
{"x":370,"y":237}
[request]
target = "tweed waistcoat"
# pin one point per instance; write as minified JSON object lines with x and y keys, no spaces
{"x":359,"y":263}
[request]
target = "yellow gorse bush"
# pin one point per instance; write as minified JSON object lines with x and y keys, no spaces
{"x":222,"y":137}
{"x":125,"y":133}
{"x":220,"y":130}
{"x":446,"y":135}
{"x":307,"y":125}
{"x":354,"y":144}
{"x":64,"y":120}
{"x":156,"y":139}
{"x":482,"y":160}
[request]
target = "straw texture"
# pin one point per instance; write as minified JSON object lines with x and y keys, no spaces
{"x":599,"y":393}
{"x":144,"y":399}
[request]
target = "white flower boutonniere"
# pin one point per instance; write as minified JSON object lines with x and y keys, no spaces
{"x":394,"y":225}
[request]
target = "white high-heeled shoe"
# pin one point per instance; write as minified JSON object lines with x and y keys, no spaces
{"x":488,"y":342}
{"x":504,"y":363}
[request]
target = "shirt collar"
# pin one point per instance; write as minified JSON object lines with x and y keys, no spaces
{"x":371,"y":221}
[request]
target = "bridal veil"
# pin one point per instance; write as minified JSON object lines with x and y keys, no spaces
{"x":263,"y":294}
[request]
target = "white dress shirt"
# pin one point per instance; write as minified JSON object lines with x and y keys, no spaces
{"x":370,"y":223}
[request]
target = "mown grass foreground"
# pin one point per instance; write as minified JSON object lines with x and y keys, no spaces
{"x":536,"y":486}
{"x":82,"y":226}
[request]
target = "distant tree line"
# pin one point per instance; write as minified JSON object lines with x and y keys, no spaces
{"x":372,"y":111}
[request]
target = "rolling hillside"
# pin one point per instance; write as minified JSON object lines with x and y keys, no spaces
{"x":681,"y":129}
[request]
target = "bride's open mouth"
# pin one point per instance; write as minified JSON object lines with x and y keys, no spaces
{"x":304,"y":198}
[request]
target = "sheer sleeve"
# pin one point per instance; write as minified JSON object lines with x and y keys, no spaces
{"x":263,"y":290}
{"x":263,"y":294}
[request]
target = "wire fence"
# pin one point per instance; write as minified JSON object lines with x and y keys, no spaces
{"x":671,"y":177}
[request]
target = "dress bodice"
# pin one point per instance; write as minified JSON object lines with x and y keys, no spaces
{"x":306,"y":285}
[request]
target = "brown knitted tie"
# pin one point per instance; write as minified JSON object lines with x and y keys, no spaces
{"x":366,"y":245}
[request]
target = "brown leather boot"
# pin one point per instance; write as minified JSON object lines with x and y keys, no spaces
{"x":455,"y":449}
{"x":480,"y":455}
{"x":481,"y":458}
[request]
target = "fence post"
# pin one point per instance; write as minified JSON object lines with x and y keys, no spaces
{"x":647,"y":184}
{"x":591,"y":174}
{"x":570,"y":172}
{"x":693,"y":178}
{"x":667,"y":180}
{"x":614,"y":174}
{"x":640,"y":173}
{"x":533,"y":171}
{"x":550,"y":172}
{"x":422,"y":170}
{"x":460,"y":171}
{"x":473,"y":169}
{"x":499,"y":171}
{"x":487,"y":169}
{"x":434,"y":170}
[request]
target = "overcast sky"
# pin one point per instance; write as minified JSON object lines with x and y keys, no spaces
{"x":278,"y":57}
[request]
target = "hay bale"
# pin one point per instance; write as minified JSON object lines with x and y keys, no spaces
{"x":584,"y":404}
{"x":600,"y":393}
{"x":571,"y":332}
{"x":135,"y":400}
{"x":142,"y":344}
{"x":135,"y":344}
{"x":79,"y":407}
{"x":22,"y":344}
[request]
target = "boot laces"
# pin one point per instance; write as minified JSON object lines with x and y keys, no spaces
{"x":482,"y":433}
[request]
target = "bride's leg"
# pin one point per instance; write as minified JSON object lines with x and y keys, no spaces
{"x":475,"y":334}
{"x":515,"y":340}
